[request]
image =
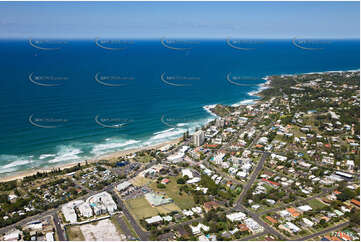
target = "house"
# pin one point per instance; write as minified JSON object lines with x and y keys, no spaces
{"x":165,"y":181}
{"x":194,"y":180}
{"x":49,"y":236}
{"x":272,"y":220}
{"x":197,"y":210}
{"x":357,"y":203}
{"x":294,"y":213}
{"x":271,"y":182}
{"x":243,"y":227}
{"x":123,"y":186}
{"x":284,"y":213}
{"x":307,"y":222}
{"x":238,"y":216}
{"x":253,"y":225}
{"x":154,"y":220}
{"x":304,"y":208}
{"x":187,"y":172}
{"x":188,"y":213}
{"x":292,"y":227}
{"x":199,"y":228}
{"x":210,"y":205}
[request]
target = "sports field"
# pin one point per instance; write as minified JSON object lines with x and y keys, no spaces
{"x":184,"y":201}
{"x":140,"y":208}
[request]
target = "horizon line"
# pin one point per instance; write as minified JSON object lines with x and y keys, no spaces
{"x":175,"y":38}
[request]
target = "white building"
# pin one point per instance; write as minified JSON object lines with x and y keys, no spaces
{"x":198,"y":229}
{"x":219,"y":123}
{"x":49,"y":236}
{"x":236,"y":216}
{"x":187,"y":172}
{"x":305,"y":208}
{"x":85,"y":210}
{"x":155,"y":219}
{"x":69,"y":211}
{"x":102,"y":203}
{"x":198,"y":138}
{"x":123,"y":186}
{"x":292,"y":227}
{"x":253,"y":225}
{"x":307,"y":222}
{"x":12,"y":236}
{"x":194,"y":180}
{"x":197,"y":210}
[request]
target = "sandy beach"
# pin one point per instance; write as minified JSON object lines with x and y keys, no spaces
{"x":110,"y":156}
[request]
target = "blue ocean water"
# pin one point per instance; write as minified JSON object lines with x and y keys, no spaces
{"x":66,"y":101}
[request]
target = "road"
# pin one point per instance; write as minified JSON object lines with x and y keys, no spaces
{"x":254,"y":176}
{"x":323,"y":232}
{"x":327,"y":191}
{"x":248,"y":238}
{"x":54,"y":211}
{"x":26,"y":220}
{"x":124,"y":227}
{"x":143,"y":235}
{"x":240,"y":207}
{"x":59,"y":230}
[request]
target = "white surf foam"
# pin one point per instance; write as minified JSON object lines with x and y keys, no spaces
{"x":17,"y":163}
{"x":106,"y":147}
{"x":44,"y":156}
{"x":67,"y":153}
{"x":166,"y":134}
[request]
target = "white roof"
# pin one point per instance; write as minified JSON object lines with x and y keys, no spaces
{"x":292,"y":227}
{"x":49,"y":236}
{"x":194,"y":180}
{"x":236,"y":216}
{"x":307,"y":221}
{"x":123,"y":185}
{"x":187,"y":172}
{"x":284,"y":213}
{"x":14,"y":235}
{"x":154,"y":219}
{"x":304,"y":208}
{"x":167,"y":218}
{"x":197,"y":229}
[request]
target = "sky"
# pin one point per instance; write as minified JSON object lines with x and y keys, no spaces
{"x":148,"y":20}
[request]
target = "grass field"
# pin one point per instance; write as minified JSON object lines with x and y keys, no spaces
{"x":183,"y":201}
{"x":74,"y":233}
{"x":145,"y":158}
{"x":315,"y":204}
{"x":140,"y":181}
{"x":140,"y":208}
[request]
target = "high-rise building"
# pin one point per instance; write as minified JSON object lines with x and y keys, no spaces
{"x":198,"y":138}
{"x":219,"y":123}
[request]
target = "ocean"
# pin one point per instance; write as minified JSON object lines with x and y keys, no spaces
{"x":64,"y":101}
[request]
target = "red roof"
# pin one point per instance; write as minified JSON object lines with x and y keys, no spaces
{"x":343,"y":236}
{"x":271,"y":182}
{"x":354,"y":201}
{"x":272,"y":220}
{"x":336,"y":192}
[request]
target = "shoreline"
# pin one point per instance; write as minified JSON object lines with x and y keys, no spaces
{"x":115,"y":154}
{"x":112,"y":155}
{"x":29,"y":172}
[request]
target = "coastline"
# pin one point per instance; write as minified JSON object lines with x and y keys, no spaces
{"x":112,"y":155}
